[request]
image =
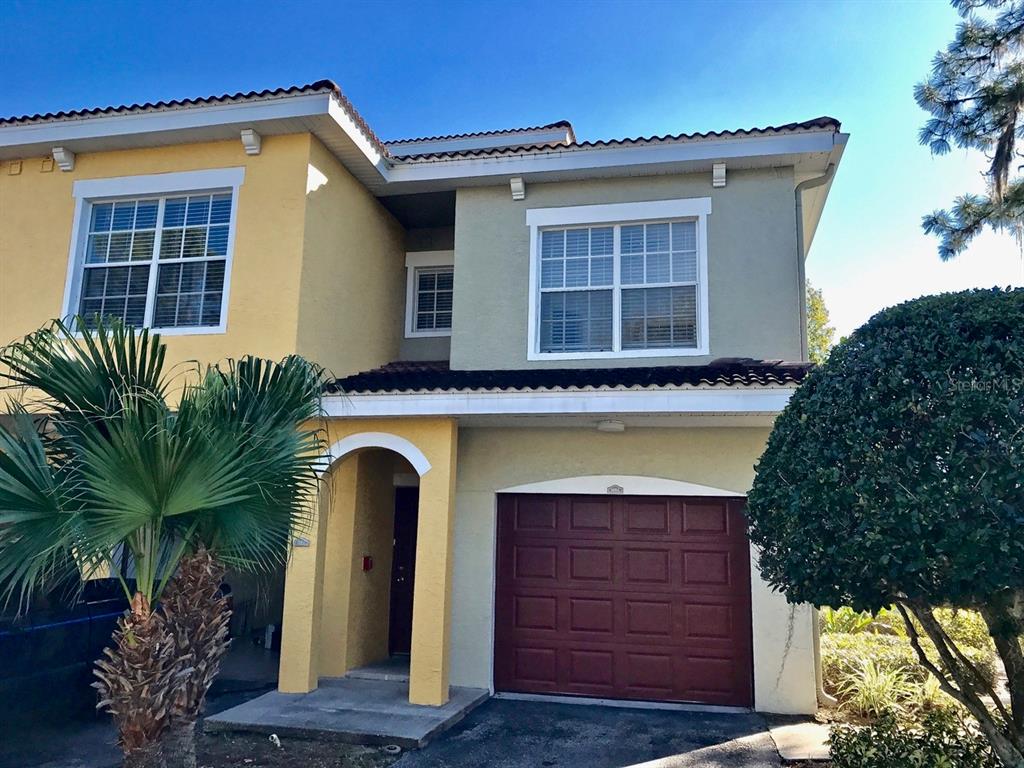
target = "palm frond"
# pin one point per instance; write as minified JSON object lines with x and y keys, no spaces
{"x":37,"y":522}
{"x":86,"y":372}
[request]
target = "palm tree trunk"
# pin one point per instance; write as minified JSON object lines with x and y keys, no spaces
{"x":150,"y":756}
{"x":137,"y":679}
{"x":197,"y":616}
{"x":179,"y":744}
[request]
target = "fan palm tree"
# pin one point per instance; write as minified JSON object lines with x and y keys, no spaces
{"x":183,"y":474}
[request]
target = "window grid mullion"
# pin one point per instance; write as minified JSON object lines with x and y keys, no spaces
{"x":154,"y":266}
{"x":616,"y":288}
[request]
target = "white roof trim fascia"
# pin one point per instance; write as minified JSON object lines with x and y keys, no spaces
{"x":168,"y":119}
{"x":571,"y":159}
{"x":626,"y":485}
{"x":761,"y":400}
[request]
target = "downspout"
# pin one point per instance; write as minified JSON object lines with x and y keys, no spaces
{"x":801,"y":256}
{"x":824,"y":699}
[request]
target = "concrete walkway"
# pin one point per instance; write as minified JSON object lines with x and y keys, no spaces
{"x":503,"y":733}
{"x":354,"y":711}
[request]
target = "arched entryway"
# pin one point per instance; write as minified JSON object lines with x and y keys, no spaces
{"x":387,"y":492}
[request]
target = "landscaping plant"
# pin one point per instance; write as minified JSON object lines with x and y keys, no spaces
{"x":107,"y":458}
{"x":941,"y":741}
{"x":895,"y":476}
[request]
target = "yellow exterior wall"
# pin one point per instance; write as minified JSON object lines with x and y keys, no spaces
{"x":319,"y":602}
{"x":37,"y":215}
{"x":493,"y":459}
{"x":352,"y":295}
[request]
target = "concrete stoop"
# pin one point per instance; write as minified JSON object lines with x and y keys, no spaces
{"x":799,"y":740}
{"x":349,"y":710}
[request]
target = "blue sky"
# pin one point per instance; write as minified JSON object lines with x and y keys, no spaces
{"x":613,"y":69}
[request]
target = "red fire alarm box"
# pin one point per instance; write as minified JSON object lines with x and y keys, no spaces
{"x":367,"y":563}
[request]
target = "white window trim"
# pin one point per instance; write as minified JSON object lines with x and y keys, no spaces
{"x":698,"y":208}
{"x":89,"y":191}
{"x":413,"y":261}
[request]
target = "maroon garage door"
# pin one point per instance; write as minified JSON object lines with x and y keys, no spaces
{"x":627,"y":597}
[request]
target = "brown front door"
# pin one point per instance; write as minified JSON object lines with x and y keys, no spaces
{"x":403,"y":570}
{"x":626,"y":597}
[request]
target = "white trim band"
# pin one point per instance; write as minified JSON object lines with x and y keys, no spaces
{"x":762,"y":400}
{"x":160,"y":183}
{"x":626,"y":485}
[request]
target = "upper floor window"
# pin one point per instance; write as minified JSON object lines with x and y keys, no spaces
{"x":154,"y":260}
{"x":621,"y":280}
{"x":431,"y":276}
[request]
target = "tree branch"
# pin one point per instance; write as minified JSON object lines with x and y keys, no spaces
{"x":1004,"y":625}
{"x":1007,"y":747}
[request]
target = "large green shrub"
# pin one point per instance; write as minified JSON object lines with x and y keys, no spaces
{"x":940,"y":741}
{"x":894,"y":477}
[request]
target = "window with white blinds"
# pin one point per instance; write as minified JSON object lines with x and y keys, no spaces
{"x":159,"y":262}
{"x":430,"y":291}
{"x":433,"y":311}
{"x":618,"y":288}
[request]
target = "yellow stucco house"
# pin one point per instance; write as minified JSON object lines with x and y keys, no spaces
{"x":557,"y":363}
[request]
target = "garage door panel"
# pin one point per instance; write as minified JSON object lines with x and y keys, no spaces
{"x":647,"y":518}
{"x":590,"y":516}
{"x":622,"y":597}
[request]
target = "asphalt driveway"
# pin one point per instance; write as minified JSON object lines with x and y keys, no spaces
{"x":502,"y":733}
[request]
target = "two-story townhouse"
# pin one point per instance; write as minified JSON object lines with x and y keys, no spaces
{"x":558,"y":362}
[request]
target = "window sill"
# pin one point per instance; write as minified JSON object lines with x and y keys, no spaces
{"x":427,"y":334}
{"x":625,"y":354}
{"x":189,"y":331}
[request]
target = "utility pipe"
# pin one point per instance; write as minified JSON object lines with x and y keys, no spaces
{"x":801,"y":256}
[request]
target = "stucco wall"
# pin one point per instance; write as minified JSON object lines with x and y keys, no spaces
{"x":352,"y":296}
{"x":373,"y":535}
{"x":36,"y":219}
{"x":427,"y":347}
{"x":753,"y":282}
{"x":495,"y":459}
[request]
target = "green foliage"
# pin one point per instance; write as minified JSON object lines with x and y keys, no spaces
{"x":895,"y":470}
{"x":845,"y":620}
{"x":115,"y":464}
{"x":975,"y":96}
{"x":940,"y":741}
{"x":820,"y":335}
{"x":873,"y":690}
{"x":844,"y":656}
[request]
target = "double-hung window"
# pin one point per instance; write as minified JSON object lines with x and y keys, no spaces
{"x":620,"y":280}
{"x":159,"y":260}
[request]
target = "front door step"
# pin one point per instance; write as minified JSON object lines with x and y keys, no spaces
{"x":396,"y":669}
{"x":349,"y":710}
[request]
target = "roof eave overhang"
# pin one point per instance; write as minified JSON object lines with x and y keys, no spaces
{"x":810,"y":150}
{"x":749,"y":400}
{"x":339,"y":129}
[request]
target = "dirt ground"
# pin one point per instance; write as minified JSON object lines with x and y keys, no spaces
{"x":249,"y":751}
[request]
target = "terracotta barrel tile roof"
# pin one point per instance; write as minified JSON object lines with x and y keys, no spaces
{"x":436,"y":376}
{"x":499,"y":132}
{"x":320,"y":86}
{"x":328,"y":86}
{"x":817,"y":124}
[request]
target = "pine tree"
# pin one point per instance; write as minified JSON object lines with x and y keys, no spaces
{"x":975,"y":96}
